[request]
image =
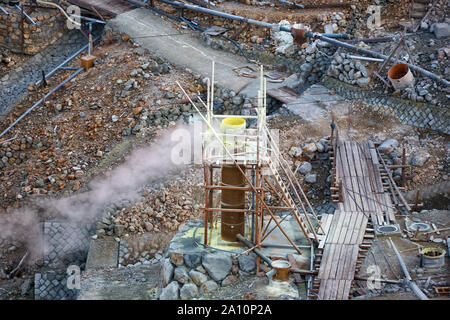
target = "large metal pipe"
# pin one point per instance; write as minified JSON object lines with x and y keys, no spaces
{"x":409,"y":281}
{"x":289,"y":3}
{"x":255,"y":250}
{"x":217,"y":13}
{"x":232,"y":223}
{"x":25,"y":14}
{"x":4,"y":10}
{"x":330,"y":38}
{"x":73,"y":75}
{"x":67,"y":61}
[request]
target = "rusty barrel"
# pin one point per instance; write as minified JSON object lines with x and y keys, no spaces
{"x":400,"y":76}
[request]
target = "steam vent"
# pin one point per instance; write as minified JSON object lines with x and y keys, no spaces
{"x":225,"y":150}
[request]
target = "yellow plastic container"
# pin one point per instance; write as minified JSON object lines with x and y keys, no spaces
{"x":233,"y":123}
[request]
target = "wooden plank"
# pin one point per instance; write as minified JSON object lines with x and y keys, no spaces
{"x":348,"y":264}
{"x":333,"y":227}
{"x":361,"y":175}
{"x":335,"y":261}
{"x":346,"y":293}
{"x":330,"y":262}
{"x":352,"y":185}
{"x":351,"y":272}
{"x":326,"y":294}
{"x":367,"y":185}
{"x":334,"y":288}
{"x":346,"y":226}
{"x":343,"y":174}
{"x":324,"y":264}
{"x":348,"y":189}
{"x":346,"y":180}
{"x":353,"y":236}
{"x":328,"y":218}
{"x":322,"y":289}
{"x":350,"y":228}
{"x":341,"y":288}
{"x":344,"y":261}
{"x":362,"y":231}
{"x":338,"y":228}
{"x":391,"y":213}
{"x":370,"y":180}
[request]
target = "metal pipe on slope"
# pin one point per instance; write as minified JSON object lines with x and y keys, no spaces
{"x":409,"y":281}
{"x":73,"y":75}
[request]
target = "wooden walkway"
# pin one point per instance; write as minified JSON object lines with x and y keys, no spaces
{"x":362,"y":199}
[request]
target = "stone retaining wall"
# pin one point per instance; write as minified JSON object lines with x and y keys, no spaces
{"x":50,"y":26}
{"x":417,"y":114}
{"x":52,"y":286}
{"x":311,"y":62}
{"x":14,"y":85}
{"x":190,"y":274}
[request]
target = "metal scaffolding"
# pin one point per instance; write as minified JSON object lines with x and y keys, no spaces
{"x":254,"y":153}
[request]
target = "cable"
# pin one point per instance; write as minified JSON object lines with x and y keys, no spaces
{"x":61,"y":9}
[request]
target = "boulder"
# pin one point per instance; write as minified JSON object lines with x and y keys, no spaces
{"x":209,"y":286}
{"x":197,"y":277}
{"x":188,"y":291}
{"x":167,"y":271}
{"x":363,"y":82}
{"x":229,"y":280}
{"x":247,"y":263}
{"x":295,"y":152}
{"x":176,"y":258}
{"x":311,"y":178}
{"x":320,"y":147}
{"x":305,"y":167}
{"x":171,"y":292}
{"x":180,"y":274}
{"x":388,"y":146}
{"x":419,"y":158}
{"x":310,"y":148}
{"x":218,"y":265}
{"x":192,"y":260}
{"x":306,"y":67}
{"x":292,"y":81}
{"x":441,"y":30}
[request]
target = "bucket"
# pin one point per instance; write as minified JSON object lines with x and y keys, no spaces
{"x":400,"y":76}
{"x":282,"y":267}
{"x":433,"y":257}
{"x":233,"y":126}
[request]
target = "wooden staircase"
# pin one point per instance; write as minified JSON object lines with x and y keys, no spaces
{"x":289,"y":192}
